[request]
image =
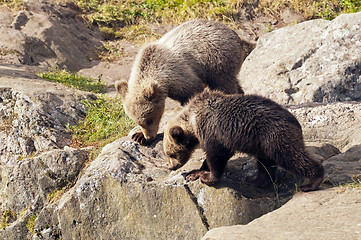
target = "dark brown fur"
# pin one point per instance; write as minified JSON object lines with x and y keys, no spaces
{"x":225,"y":124}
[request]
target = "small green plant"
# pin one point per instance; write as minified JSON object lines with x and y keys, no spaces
{"x":275,"y":186}
{"x":31,"y":223}
{"x":355,"y":183}
{"x":55,"y":194}
{"x":74,"y":80}
{"x":105,"y":121}
{"x":7,"y":217}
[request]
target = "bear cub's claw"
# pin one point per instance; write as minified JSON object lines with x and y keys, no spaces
{"x":139,"y":138}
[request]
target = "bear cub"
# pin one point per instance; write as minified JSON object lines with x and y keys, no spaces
{"x":224,"y":124}
{"x":192,"y":56}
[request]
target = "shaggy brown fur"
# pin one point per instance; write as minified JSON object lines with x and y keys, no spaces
{"x":194,"y":55}
{"x":225,"y":124}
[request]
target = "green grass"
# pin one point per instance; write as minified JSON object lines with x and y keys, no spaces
{"x":116,"y":14}
{"x":74,"y":80}
{"x":13,"y":4}
{"x":113,"y":13}
{"x":105,"y":118}
{"x":105,"y":121}
{"x":129,"y":19}
{"x":331,"y":9}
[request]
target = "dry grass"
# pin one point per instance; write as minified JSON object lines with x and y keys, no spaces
{"x":307,"y":8}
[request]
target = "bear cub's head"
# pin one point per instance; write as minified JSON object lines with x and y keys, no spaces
{"x":144,"y":105}
{"x":179,"y":141}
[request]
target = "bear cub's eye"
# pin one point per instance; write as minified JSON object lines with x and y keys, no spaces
{"x":149,"y":121}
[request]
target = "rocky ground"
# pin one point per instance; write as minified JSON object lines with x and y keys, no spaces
{"x":127,"y":192}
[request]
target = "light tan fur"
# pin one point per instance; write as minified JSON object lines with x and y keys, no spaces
{"x":191,"y":57}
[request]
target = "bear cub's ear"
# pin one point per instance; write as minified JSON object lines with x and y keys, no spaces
{"x":122,"y":88}
{"x":177,"y":134}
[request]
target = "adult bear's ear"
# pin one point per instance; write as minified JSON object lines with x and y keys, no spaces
{"x":177,"y":134}
{"x":150,"y":90}
{"x":122,"y":88}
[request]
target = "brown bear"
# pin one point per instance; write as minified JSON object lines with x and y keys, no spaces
{"x":224,"y":124}
{"x":192,"y":56}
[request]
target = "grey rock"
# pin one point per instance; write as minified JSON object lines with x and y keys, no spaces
{"x":314,"y":61}
{"x":324,"y":151}
{"x":128,"y":193}
{"x":332,"y":214}
{"x":26,"y":185}
{"x":338,"y":124}
{"x":34,"y":114}
{"x":48,"y":35}
{"x":35,"y":160}
{"x":341,"y":168}
{"x":20,"y":20}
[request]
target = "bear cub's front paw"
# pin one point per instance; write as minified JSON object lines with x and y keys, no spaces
{"x":139,"y":138}
{"x":194,"y":175}
{"x":206,"y":177}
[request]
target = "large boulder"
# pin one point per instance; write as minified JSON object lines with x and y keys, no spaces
{"x":314,"y":61}
{"x":29,"y":185}
{"x":35,"y":158}
{"x":128,"y":193}
{"x":34,"y":113}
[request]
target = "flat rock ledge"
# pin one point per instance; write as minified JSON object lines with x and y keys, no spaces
{"x":331,"y":214}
